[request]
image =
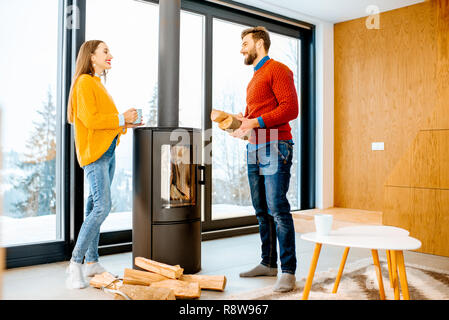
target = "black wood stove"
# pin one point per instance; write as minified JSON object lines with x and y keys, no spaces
{"x":167,"y":197}
{"x":166,"y":177}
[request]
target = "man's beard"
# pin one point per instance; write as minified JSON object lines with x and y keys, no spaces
{"x":251,"y":57}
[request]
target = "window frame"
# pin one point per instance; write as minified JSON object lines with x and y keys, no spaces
{"x":71,"y":182}
{"x":21,"y":255}
{"x":213,"y":229}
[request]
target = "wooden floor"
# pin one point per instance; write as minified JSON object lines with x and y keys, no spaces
{"x":343,"y":217}
{"x":227,"y":256}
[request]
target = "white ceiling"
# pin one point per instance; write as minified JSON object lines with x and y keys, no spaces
{"x":333,"y":11}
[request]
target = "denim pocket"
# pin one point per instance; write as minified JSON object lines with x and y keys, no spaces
{"x":287,"y":143}
{"x":285,"y":151}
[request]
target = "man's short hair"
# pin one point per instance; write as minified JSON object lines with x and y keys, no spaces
{"x":259,"y":33}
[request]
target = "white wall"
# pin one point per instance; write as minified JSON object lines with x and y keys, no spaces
{"x":324,"y":99}
{"x":325,"y":116}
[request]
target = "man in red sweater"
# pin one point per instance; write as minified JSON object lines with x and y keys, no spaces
{"x":272,"y":102}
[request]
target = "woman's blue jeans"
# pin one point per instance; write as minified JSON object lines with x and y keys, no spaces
{"x":99,"y":174}
{"x":269,"y":178}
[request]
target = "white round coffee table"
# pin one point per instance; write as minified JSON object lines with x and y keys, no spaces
{"x":392,"y":239}
{"x":374,"y":230}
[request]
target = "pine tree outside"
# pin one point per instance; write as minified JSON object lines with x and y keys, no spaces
{"x":28,"y":177}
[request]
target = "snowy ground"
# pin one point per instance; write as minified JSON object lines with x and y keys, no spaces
{"x":43,"y":228}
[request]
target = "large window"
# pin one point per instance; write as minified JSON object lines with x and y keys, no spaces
{"x":230,"y":188}
{"x":191,"y":70}
{"x":41,"y":182}
{"x":28,"y":100}
{"x":287,"y":50}
{"x":132,"y":81}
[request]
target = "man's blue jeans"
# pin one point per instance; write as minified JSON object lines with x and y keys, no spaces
{"x":99,"y":174}
{"x":269,"y":178}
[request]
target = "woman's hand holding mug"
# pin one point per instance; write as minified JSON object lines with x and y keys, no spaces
{"x":130,"y":125}
{"x":130,"y":116}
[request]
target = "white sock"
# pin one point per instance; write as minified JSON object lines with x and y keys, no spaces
{"x":260,"y":270}
{"x":76,"y":279}
{"x":285,"y":283}
{"x":91,"y":269}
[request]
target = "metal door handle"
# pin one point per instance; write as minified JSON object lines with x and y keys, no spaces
{"x":202,"y":175}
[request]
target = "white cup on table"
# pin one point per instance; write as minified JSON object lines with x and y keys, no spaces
{"x":323,"y":224}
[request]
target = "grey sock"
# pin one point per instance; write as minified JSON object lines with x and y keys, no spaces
{"x":285,"y":283}
{"x":260,"y":270}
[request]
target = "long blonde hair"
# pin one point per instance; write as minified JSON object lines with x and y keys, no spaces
{"x":83,"y":66}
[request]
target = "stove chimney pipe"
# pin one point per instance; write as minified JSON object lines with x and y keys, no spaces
{"x":168,"y":64}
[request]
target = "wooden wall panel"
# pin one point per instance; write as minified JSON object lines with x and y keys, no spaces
{"x":413,"y":98}
{"x":443,"y":157}
{"x":422,"y":219}
{"x":430,"y":219}
{"x":401,"y":176}
{"x":441,"y":246}
{"x":425,"y":163}
{"x":385,"y":89}
{"x":422,"y":211}
{"x":398,"y":206}
{"x":424,"y":160}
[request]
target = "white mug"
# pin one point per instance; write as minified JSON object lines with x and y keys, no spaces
{"x":323,"y":224}
{"x":139,"y":116}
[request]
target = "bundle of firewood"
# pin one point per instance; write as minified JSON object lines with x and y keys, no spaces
{"x":159,"y":281}
{"x":226,"y":121}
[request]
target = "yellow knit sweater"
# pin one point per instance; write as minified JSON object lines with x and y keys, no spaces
{"x":95,"y":118}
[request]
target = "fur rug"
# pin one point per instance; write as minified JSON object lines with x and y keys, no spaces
{"x":359,"y":282}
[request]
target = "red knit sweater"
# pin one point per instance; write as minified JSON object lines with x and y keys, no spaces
{"x":271,"y":94}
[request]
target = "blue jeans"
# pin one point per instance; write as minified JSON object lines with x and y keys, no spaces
{"x":269,"y":178}
{"x":99,"y":174}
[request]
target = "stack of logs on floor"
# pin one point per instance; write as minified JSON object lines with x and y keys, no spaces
{"x":159,"y":282}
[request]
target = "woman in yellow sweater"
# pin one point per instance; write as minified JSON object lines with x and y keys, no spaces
{"x":98,"y":126}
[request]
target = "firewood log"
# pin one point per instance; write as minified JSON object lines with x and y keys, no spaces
{"x":145,"y":293}
{"x":182,"y":289}
{"x":144,"y":278}
{"x":180,"y":188}
{"x":207,"y":282}
{"x":105,"y":280}
{"x":226,"y":121}
{"x":172,"y":272}
{"x":230,"y":123}
{"x":218,"y":116}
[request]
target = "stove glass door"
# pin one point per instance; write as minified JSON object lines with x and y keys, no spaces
{"x":177,"y":176}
